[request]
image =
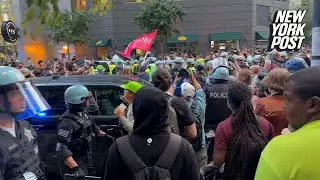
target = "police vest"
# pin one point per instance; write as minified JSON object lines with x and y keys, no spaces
{"x":217,"y":109}
{"x":192,"y":70}
{"x":21,"y":152}
{"x":112,"y":67}
{"x":82,"y":135}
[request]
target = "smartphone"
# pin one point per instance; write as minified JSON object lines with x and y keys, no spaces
{"x":123,"y":106}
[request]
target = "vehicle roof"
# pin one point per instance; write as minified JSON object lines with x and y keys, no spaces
{"x":115,"y":80}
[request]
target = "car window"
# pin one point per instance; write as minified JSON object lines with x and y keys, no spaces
{"x":108,"y":99}
{"x":55,"y":98}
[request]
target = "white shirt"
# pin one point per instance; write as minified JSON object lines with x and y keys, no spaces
{"x":12,"y":130}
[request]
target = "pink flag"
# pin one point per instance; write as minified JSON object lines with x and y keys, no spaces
{"x":143,"y":42}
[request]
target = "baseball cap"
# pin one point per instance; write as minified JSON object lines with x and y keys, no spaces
{"x":187,"y":90}
{"x":221,"y":72}
{"x":132,"y":86}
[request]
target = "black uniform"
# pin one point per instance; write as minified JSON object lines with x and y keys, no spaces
{"x":75,"y":138}
{"x":217,"y":109}
{"x":19,"y":156}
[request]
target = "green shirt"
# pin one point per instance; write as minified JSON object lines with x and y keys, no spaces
{"x":292,"y":157}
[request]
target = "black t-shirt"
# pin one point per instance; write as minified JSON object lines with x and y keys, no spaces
{"x":184,"y":166}
{"x":184,"y":114}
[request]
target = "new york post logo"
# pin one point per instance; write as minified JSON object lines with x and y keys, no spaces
{"x":286,"y":31}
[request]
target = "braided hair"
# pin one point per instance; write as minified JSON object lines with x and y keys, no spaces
{"x":247,"y":141}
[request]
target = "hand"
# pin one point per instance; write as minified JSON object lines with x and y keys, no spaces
{"x":285,"y":131}
{"x":176,"y":80}
{"x":77,"y":172}
{"x":101,"y":134}
{"x":119,"y":112}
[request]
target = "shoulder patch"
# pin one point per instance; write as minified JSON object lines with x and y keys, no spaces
{"x":63,"y":133}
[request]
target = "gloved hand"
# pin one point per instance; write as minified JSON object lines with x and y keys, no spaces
{"x":78,"y":173}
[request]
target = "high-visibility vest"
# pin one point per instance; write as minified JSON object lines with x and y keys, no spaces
{"x":111,"y":68}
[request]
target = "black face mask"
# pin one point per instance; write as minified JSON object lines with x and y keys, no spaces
{"x":76,"y":107}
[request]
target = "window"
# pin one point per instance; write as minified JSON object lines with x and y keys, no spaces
{"x":81,"y":4}
{"x":55,"y":98}
{"x":262,"y":15}
{"x":108,"y":99}
{"x":189,"y":47}
{"x":224,"y":45}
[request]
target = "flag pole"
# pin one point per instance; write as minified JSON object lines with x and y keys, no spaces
{"x":145,"y":57}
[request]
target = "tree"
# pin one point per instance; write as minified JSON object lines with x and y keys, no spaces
{"x":43,"y":10}
{"x":161,"y":15}
{"x":69,"y":27}
{"x":307,"y":5}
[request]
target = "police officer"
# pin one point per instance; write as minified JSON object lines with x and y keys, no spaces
{"x":216,"y":96}
{"x":19,"y":153}
{"x":75,"y":133}
{"x":190,"y":66}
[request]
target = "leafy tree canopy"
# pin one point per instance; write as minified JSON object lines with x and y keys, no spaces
{"x":307,"y":5}
{"x":43,"y":10}
{"x":70,"y":27}
{"x":161,"y":15}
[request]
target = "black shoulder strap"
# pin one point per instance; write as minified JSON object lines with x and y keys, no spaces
{"x":170,"y":153}
{"x":129,"y":156}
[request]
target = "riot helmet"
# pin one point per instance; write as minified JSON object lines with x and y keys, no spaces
{"x":19,"y":97}
{"x":78,"y":99}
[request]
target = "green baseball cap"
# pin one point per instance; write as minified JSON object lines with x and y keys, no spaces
{"x":132,"y":86}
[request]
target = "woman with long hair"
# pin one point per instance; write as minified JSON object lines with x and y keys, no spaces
{"x":241,"y":138}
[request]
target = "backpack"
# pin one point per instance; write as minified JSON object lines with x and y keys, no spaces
{"x":160,"y":171}
{"x":196,"y":142}
{"x":172,"y":118}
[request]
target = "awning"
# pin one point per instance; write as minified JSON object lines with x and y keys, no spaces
{"x":128,"y":40}
{"x":225,"y":36}
{"x":183,"y":38}
{"x":99,"y":43}
{"x":262,"y":35}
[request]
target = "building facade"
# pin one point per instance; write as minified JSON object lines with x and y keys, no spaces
{"x":209,"y":25}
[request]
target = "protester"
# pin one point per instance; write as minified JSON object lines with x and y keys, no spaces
{"x":240,"y":138}
{"x":27,"y":73}
{"x":295,"y":156}
{"x":244,"y":76}
{"x":151,"y":146}
{"x":272,"y":106}
{"x":186,"y":121}
{"x":196,"y":101}
{"x":130,"y":90}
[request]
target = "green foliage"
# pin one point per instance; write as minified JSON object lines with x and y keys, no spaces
{"x":307,"y":5}
{"x":100,"y":7}
{"x":70,"y":27}
{"x":44,"y":10}
{"x":161,"y":15}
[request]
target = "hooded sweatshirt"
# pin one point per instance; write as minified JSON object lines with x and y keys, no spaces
{"x":150,"y":111}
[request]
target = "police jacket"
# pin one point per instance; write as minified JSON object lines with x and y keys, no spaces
{"x":217,"y":109}
{"x":75,"y":135}
{"x":19,"y":156}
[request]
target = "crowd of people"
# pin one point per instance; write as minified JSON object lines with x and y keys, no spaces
{"x":241,"y":115}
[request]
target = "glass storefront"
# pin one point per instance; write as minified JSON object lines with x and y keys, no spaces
{"x":227,"y":45}
{"x":8,"y":51}
{"x":188,"y":47}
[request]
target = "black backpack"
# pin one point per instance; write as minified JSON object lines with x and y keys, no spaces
{"x":160,"y":171}
{"x":196,"y":142}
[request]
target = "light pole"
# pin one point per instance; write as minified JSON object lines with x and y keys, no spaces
{"x":316,"y":33}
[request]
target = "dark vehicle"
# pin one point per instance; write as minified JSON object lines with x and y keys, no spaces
{"x":106,"y":90}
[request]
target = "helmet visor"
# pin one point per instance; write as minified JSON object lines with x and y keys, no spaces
{"x":91,"y":103}
{"x":22,"y":99}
